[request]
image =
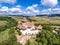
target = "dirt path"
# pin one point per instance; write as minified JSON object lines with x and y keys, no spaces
{"x":25,"y":38}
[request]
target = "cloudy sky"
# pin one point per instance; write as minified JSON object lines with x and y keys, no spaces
{"x":29,"y":7}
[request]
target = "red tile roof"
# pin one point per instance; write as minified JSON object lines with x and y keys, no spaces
{"x":21,"y":27}
{"x":28,"y":24}
{"x":39,"y":27}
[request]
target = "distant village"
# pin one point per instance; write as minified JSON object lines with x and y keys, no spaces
{"x":29,"y":28}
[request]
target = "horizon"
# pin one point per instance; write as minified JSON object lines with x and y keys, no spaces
{"x":29,"y":7}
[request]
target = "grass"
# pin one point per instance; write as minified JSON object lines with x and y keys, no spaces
{"x":2,"y":23}
{"x":53,"y":18}
{"x":17,"y":18}
{"x":32,"y":40}
{"x":55,"y":26}
{"x":4,"y":35}
{"x":41,"y":20}
{"x":46,"y":20}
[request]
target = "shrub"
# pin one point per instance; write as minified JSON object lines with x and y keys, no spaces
{"x":19,"y":32}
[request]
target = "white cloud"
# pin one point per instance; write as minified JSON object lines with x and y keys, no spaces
{"x":45,"y":11}
{"x":8,"y":1}
{"x":55,"y":9}
{"x":50,"y":11}
{"x":13,"y":10}
{"x":18,"y":6}
{"x":50,"y":3}
{"x":32,"y":7}
{"x":32,"y":10}
{"x":4,"y":8}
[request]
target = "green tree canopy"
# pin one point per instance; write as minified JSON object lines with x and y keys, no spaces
{"x":46,"y":37}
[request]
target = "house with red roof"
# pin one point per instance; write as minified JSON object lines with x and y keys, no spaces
{"x":27,"y":27}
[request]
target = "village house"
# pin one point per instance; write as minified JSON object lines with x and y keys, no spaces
{"x":27,"y":27}
{"x":39,"y":27}
{"x":56,"y":30}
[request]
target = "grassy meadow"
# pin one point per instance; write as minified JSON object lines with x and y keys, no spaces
{"x":53,"y":21}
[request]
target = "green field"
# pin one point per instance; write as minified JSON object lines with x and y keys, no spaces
{"x":7,"y":31}
{"x":53,"y":21}
{"x":4,"y":35}
{"x":2,"y":23}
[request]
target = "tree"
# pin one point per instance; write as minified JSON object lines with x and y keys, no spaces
{"x":47,"y":27}
{"x":46,"y":37}
{"x":19,"y":32}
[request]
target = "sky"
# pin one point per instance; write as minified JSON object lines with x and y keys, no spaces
{"x":29,"y":7}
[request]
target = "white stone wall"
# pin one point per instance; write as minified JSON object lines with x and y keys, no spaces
{"x":28,"y":31}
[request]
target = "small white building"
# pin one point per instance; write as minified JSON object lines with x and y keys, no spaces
{"x":29,"y":31}
{"x":56,"y":30}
